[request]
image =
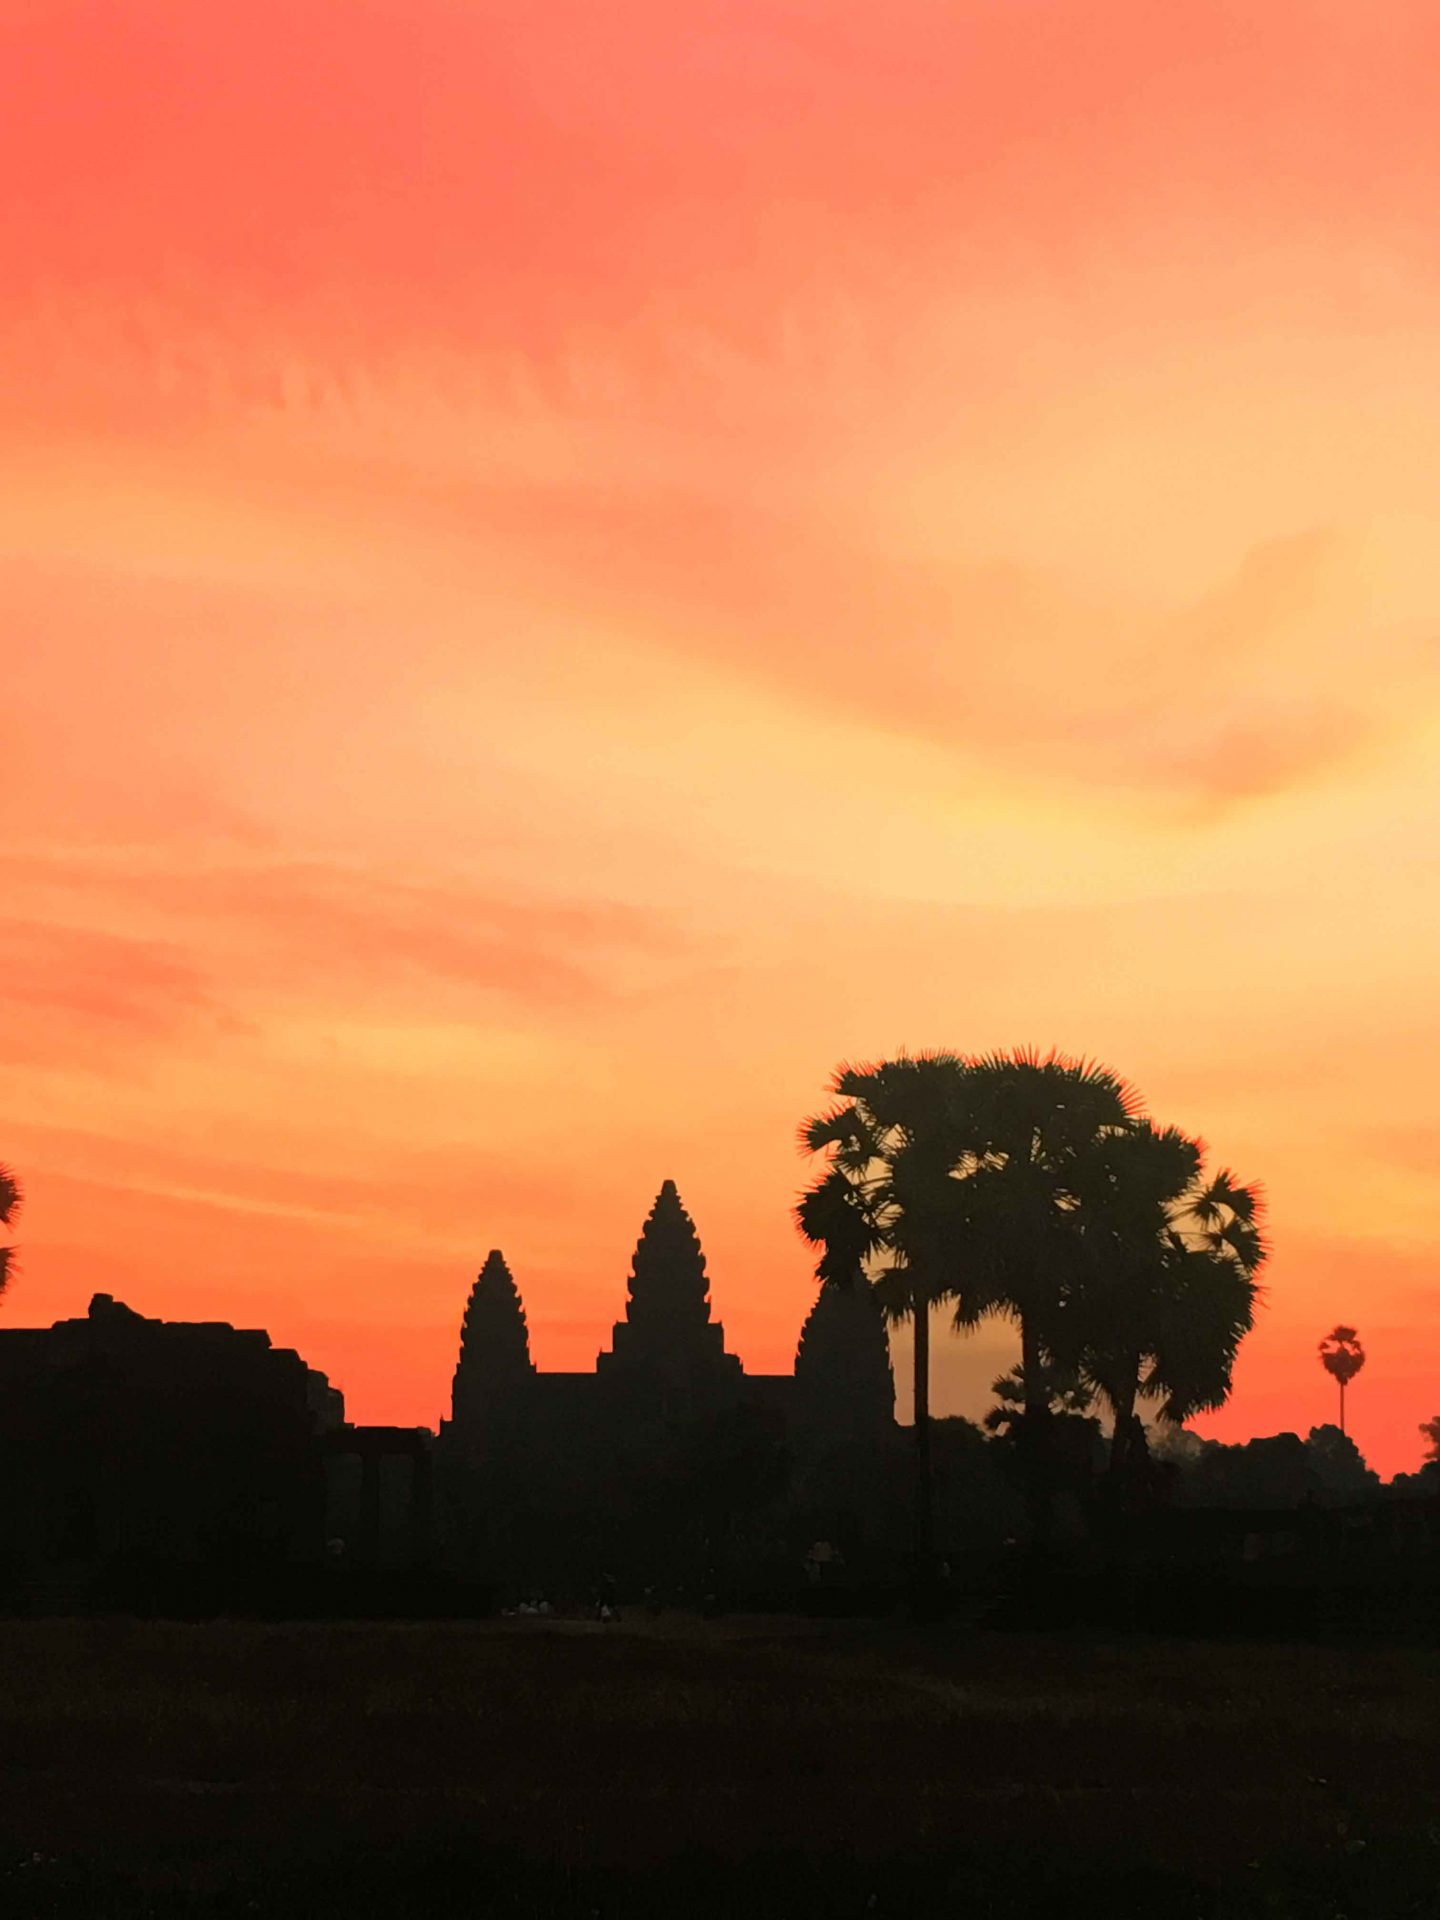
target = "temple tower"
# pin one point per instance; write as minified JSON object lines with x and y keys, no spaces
{"x":667,"y":1338}
{"x":843,"y":1429}
{"x":495,"y":1369}
{"x":844,"y":1385}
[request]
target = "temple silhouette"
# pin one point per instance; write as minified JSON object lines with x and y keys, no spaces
{"x":137,"y":1454}
{"x":150,"y":1458}
{"x":190,"y":1469}
{"x":668,"y":1456}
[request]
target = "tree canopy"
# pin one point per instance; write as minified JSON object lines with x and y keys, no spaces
{"x":10,"y":1199}
{"x":1035,"y":1188}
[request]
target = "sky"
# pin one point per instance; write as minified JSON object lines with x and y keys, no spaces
{"x":564,"y":570}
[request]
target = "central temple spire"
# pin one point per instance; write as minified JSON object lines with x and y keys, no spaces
{"x":668,"y":1284}
{"x":667,"y":1327}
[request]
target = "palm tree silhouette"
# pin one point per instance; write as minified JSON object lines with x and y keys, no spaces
{"x":1032,"y":1187}
{"x":1027,"y":1129}
{"x":879,"y":1215}
{"x":1342,"y":1356}
{"x":967,"y":1173}
{"x":1066,"y":1392}
{"x":1166,"y":1288}
{"x":10,"y":1199}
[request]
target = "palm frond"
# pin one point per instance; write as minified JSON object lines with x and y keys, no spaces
{"x":834,"y":1216}
{"x":840,"y":1128}
{"x":11,"y":1199}
{"x":896,"y":1290}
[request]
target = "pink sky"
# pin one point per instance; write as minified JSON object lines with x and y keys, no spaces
{"x":563,"y":570}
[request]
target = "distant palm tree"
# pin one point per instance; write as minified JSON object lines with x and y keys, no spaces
{"x":1342,"y":1356}
{"x":10,"y":1198}
{"x":879,"y":1215}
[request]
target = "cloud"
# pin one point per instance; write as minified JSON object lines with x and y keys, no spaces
{"x":437,"y":1187}
{"x":1248,"y":691}
{"x":70,"y":990}
{"x":238,"y":926}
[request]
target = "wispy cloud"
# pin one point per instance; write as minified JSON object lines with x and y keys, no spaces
{"x":69,"y":990}
{"x":222,"y":932}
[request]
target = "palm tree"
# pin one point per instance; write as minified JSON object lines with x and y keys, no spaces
{"x":970,"y":1174}
{"x":10,"y":1199}
{"x":1166,"y":1288}
{"x":1032,"y":1187}
{"x":1218,"y":1247}
{"x":879,"y":1215}
{"x":1027,"y":1130}
{"x":1342,"y":1355}
{"x":1066,"y":1394}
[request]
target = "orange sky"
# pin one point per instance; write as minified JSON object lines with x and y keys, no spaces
{"x":563,"y":569}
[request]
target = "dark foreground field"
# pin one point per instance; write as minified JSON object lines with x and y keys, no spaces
{"x":687,"y":1768}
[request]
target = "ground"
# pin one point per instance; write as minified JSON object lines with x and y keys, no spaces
{"x":688,"y":1767}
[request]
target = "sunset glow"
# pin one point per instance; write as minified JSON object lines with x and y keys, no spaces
{"x":563,"y":570}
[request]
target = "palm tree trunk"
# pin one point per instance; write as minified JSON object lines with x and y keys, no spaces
{"x":924,"y":1483}
{"x":1122,"y":1440}
{"x":1030,"y":1367}
{"x":1035,"y":1435}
